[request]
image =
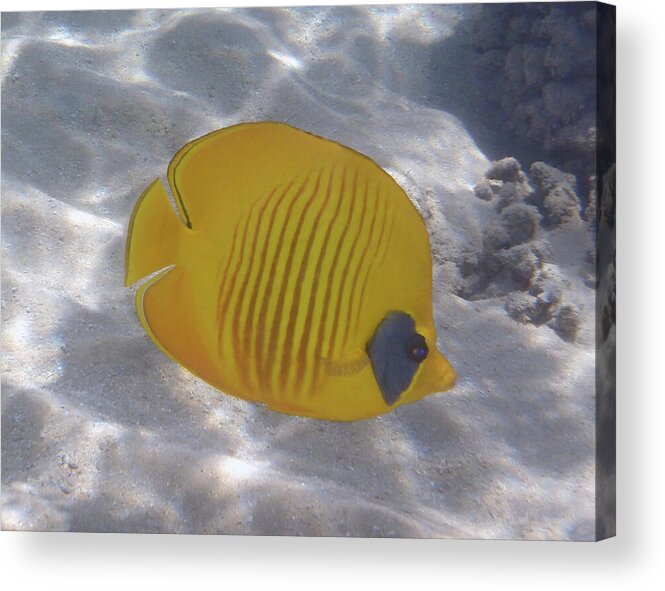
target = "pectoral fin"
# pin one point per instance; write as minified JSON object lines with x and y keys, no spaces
{"x":347,"y":366}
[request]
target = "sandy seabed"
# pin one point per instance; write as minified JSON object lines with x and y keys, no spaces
{"x":102,"y":432}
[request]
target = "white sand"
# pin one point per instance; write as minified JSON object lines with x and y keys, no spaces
{"x":101,"y":432}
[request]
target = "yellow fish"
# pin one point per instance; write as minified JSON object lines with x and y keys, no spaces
{"x":298,"y":274}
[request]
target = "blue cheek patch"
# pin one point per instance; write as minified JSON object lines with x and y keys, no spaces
{"x":388,"y":351}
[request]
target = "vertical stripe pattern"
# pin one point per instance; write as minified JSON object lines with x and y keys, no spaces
{"x":292,"y":289}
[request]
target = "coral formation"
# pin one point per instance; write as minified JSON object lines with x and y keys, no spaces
{"x":532,"y":67}
{"x":556,"y":196}
{"x":514,"y":259}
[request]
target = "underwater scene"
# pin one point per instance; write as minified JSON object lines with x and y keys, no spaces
{"x":324,"y":271}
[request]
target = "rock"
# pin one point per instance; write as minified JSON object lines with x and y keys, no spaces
{"x":542,"y":251}
{"x":556,"y":196}
{"x":490,"y":264}
{"x":505,"y":262}
{"x":548,"y":178}
{"x":495,"y":185}
{"x":536,"y":309}
{"x":495,"y":238}
{"x":520,"y":306}
{"x":520,"y":222}
{"x":561,"y":206}
{"x":506,"y":180}
{"x":513,"y":193}
{"x":525,"y":308}
{"x":483,"y":190}
{"x":522,"y":263}
{"x":566,"y":322}
{"x":467,"y":263}
{"x":547,"y":285}
{"x":539,"y":304}
{"x":506,"y":170}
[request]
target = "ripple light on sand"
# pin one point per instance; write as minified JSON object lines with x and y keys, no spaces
{"x":101,"y":432}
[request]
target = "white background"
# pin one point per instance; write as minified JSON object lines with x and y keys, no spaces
{"x":634,"y":560}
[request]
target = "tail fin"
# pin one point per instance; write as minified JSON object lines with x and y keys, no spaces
{"x":153,"y":235}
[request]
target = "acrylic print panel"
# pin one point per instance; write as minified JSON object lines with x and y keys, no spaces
{"x":375,"y":299}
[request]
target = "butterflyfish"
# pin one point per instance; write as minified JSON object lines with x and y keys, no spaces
{"x":296,"y":273}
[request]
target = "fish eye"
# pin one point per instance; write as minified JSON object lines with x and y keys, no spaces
{"x":416,"y":348}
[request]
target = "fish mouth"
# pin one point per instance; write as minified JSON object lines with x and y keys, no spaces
{"x":439,"y":376}
{"x":449,"y":378}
